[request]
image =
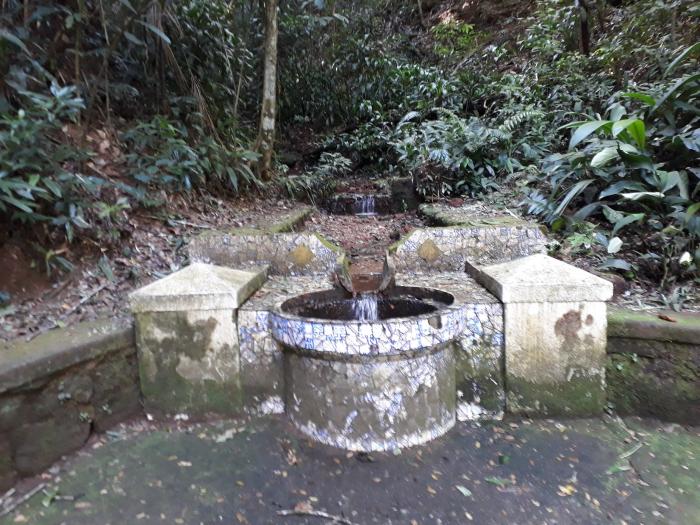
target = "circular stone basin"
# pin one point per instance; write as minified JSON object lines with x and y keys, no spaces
{"x":408,"y":319}
{"x":383,"y":383}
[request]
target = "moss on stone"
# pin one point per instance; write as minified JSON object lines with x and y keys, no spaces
{"x":642,"y":325}
{"x":454,"y":217}
{"x":394,"y":247}
{"x":166,"y":341}
{"x":24,"y":362}
{"x":328,"y":244}
{"x":665,"y":388}
{"x":580,"y":396}
{"x":292,"y":221}
{"x":288,"y":223}
{"x":480,"y":377}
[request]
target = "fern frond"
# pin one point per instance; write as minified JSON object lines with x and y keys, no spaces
{"x":512,"y":123}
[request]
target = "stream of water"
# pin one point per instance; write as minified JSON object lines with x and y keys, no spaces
{"x":366,"y":206}
{"x":365,"y":307}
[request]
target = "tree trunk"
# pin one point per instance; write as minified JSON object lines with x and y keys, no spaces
{"x":584,"y":27}
{"x":266,"y":131}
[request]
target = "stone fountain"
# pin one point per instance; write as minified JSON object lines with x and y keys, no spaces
{"x":265,"y":323}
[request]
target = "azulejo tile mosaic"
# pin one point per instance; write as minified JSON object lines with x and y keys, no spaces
{"x":372,"y":405}
{"x":389,"y":384}
{"x":447,"y":249}
{"x":285,"y":253}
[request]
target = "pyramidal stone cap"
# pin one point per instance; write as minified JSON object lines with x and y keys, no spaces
{"x":540,"y":278}
{"x":199,"y":286}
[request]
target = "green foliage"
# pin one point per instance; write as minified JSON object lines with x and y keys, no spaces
{"x":460,"y":155}
{"x":162,"y":154}
{"x":38,"y":181}
{"x":213,"y":47}
{"x":634,"y":171}
{"x":453,"y":37}
{"x":318,"y":182}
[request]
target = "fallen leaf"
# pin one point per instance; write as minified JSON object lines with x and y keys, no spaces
{"x":464,"y":490}
{"x":228,"y":434}
{"x":566,"y":490}
{"x":303,"y":506}
{"x":495,"y":480}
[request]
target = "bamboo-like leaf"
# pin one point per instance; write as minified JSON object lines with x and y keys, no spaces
{"x":627,"y":220}
{"x":634,"y":127}
{"x":604,"y":156}
{"x":692,"y":50}
{"x":692,"y":210}
{"x":573,"y":193}
{"x":585,"y":130}
{"x":616,"y":188}
{"x":133,"y":39}
{"x":634,"y":196}
{"x":618,"y":264}
{"x":642,"y":97}
{"x":586,"y":211}
{"x":156,"y":30}
{"x":677,"y":87}
{"x":612,"y":215}
{"x":5,"y":34}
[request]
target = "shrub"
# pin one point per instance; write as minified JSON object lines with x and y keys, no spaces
{"x":39,"y":180}
{"x":163,"y":153}
{"x":642,"y":169}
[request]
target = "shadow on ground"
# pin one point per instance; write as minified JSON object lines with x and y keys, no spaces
{"x":584,"y":471}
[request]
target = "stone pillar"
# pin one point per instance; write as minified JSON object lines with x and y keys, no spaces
{"x":187,"y":339}
{"x":555,"y":335}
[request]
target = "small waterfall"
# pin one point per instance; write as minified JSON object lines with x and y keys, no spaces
{"x":365,"y":307}
{"x":366,"y":205}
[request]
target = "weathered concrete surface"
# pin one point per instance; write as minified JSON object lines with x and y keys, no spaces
{"x":555,"y":335}
{"x":654,"y":364}
{"x":540,"y":278}
{"x":578,"y":472}
{"x":473,"y":213}
{"x":189,"y":362}
{"x":654,"y":378}
{"x":198,"y":286}
{"x":23,"y":362}
{"x":372,"y":403}
{"x":683,"y":327}
{"x":555,"y":358}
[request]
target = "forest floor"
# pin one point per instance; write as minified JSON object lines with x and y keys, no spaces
{"x":263,"y":471}
{"x":155,"y":246}
{"x":103,"y":277}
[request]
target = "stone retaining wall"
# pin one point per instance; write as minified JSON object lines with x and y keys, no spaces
{"x":59,"y":388}
{"x":654,"y":365}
